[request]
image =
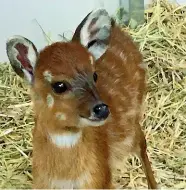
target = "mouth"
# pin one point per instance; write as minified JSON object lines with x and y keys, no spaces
{"x":91,"y":121}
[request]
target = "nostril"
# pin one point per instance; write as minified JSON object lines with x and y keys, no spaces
{"x":101,"y":111}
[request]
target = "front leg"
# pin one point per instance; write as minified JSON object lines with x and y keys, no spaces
{"x":142,"y":154}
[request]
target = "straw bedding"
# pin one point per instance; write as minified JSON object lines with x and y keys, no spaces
{"x":162,"y":41}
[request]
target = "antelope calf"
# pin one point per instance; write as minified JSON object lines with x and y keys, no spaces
{"x":87,"y":96}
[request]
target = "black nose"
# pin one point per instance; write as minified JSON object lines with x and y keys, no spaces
{"x":101,"y":111}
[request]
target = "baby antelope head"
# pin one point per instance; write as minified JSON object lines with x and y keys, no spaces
{"x":63,"y":75}
{"x":92,"y":111}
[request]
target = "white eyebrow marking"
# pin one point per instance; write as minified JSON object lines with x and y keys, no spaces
{"x":50,"y":100}
{"x":65,"y":140}
{"x":60,"y":116}
{"x":48,"y":76}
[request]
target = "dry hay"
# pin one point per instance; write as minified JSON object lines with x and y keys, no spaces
{"x":163,"y":42}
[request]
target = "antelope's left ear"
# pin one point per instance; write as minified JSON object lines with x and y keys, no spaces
{"x":94,"y":32}
{"x":22,"y":55}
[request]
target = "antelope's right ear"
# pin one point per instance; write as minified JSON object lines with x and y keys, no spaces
{"x":22,"y":55}
{"x":94,"y":32}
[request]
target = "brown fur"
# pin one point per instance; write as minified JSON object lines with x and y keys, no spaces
{"x":91,"y":154}
{"x":121,"y":85}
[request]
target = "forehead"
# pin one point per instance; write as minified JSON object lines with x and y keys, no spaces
{"x":64,"y":59}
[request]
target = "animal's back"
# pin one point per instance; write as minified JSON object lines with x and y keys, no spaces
{"x":121,"y":84}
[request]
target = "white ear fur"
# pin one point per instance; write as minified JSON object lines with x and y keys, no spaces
{"x":30,"y":57}
{"x":96,"y":30}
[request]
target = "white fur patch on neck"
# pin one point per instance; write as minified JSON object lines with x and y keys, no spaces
{"x":65,"y":140}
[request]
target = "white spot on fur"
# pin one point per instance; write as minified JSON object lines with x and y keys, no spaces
{"x":83,"y":179}
{"x":129,"y":141}
{"x":83,"y":122}
{"x":117,"y":81}
{"x":121,"y":109}
{"x":131,"y":112}
{"x":137,"y":76}
{"x":60,"y":116}
{"x":91,"y":60}
{"x":48,"y":76}
{"x":65,"y":140}
{"x":50,"y":100}
{"x":123,"y":56}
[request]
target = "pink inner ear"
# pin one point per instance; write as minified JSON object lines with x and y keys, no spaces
{"x":94,"y":20}
{"x":96,"y":30}
{"x":23,"y":56}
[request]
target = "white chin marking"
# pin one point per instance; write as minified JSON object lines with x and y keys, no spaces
{"x":83,"y":122}
{"x":65,"y":140}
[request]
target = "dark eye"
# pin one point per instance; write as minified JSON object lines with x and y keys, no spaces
{"x":59,"y":87}
{"x":95,"y":76}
